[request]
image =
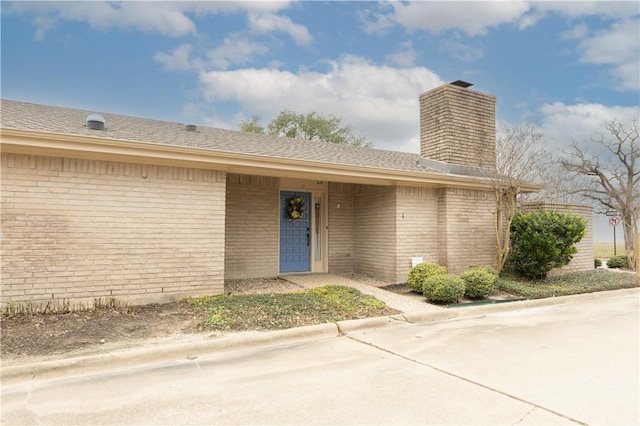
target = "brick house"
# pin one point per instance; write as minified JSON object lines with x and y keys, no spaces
{"x":144,"y":210}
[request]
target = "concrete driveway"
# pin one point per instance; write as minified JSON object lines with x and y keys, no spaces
{"x":570,"y":363}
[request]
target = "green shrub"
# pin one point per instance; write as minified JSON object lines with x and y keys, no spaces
{"x":478,"y":282}
{"x":421,"y":272}
{"x":597,"y":263}
{"x":618,"y":262}
{"x":542,"y":241}
{"x":443,"y":288}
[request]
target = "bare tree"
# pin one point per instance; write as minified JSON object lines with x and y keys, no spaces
{"x":557,"y":188}
{"x":612,"y":180}
{"x":519,"y":154}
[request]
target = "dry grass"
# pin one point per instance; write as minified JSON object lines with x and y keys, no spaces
{"x":605,"y":250}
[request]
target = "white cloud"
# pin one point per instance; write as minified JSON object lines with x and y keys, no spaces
{"x":404,"y":56}
{"x":575,"y":9}
{"x":221,"y":7}
{"x":179,"y":60}
{"x":529,"y":20}
{"x":377,"y":22}
{"x":235,"y":49}
{"x":158,"y":17}
{"x":165,"y":18}
{"x":618,"y":46}
{"x":465,"y":51}
{"x":562,"y":124}
{"x":471,"y":17}
{"x":269,"y":22}
{"x":380,"y":102}
{"x":578,"y":32}
{"x":43,"y":24}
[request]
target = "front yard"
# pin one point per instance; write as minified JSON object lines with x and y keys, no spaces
{"x":252,"y":305}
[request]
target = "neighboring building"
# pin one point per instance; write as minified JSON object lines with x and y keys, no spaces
{"x":145,"y":210}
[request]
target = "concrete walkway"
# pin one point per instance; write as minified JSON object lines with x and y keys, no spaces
{"x":405,"y":304}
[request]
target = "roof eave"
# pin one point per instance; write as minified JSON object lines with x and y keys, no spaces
{"x":79,"y":146}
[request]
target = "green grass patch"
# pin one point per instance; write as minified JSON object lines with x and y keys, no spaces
{"x":286,"y":310}
{"x":564,"y":285}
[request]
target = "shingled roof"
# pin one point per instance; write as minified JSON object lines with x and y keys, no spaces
{"x":214,"y":142}
{"x":58,"y":120}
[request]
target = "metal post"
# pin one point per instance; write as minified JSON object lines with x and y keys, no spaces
{"x":636,"y":253}
{"x":614,"y":240}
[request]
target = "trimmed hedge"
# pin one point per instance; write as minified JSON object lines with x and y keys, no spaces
{"x":419,"y":273}
{"x":443,"y":288}
{"x":618,"y":262}
{"x":479,"y":282}
{"x":597,"y":263}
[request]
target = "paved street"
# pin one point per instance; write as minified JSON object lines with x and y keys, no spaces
{"x":563,"y":364}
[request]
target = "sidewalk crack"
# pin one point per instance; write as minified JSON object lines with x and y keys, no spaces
{"x":527,"y":414}
{"x":440,"y":370}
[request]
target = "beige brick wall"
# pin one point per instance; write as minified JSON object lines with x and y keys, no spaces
{"x":80,"y":229}
{"x":252,"y":226}
{"x":375,"y":231}
{"x":452,"y":227}
{"x":466,"y":234}
{"x":340,"y":210}
{"x":583,"y":260}
{"x":416,"y":228}
{"x":457,"y":126}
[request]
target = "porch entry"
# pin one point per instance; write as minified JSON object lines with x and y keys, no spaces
{"x":295,"y":232}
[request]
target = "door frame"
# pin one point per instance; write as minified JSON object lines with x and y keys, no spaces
{"x":319,"y":238}
{"x":295,"y":234}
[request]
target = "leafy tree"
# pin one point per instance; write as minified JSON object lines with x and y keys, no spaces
{"x":309,"y":126}
{"x":611,"y":178}
{"x":542,"y":241}
{"x":252,"y":126}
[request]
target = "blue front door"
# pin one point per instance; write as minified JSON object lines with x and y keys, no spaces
{"x":295,"y":223}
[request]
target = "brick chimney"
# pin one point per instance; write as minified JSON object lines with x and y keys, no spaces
{"x":458,"y":126}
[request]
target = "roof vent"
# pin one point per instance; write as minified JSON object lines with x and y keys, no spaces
{"x":95,"y":122}
{"x":461,"y":83}
{"x":191,"y":128}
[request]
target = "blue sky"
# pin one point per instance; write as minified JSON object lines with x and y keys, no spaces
{"x":565,"y":66}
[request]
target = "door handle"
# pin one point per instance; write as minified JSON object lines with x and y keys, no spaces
{"x":308,"y":236}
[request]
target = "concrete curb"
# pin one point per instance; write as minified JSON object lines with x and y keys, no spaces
{"x":133,"y":357}
{"x":368,"y":323}
{"x":474,"y":311}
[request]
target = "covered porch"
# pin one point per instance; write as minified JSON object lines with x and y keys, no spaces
{"x":373,"y":229}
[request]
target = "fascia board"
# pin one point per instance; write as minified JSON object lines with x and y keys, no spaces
{"x":75,"y":146}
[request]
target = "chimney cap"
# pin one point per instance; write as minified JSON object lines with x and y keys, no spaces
{"x":461,"y":83}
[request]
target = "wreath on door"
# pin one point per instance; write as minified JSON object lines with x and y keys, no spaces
{"x":295,"y":208}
